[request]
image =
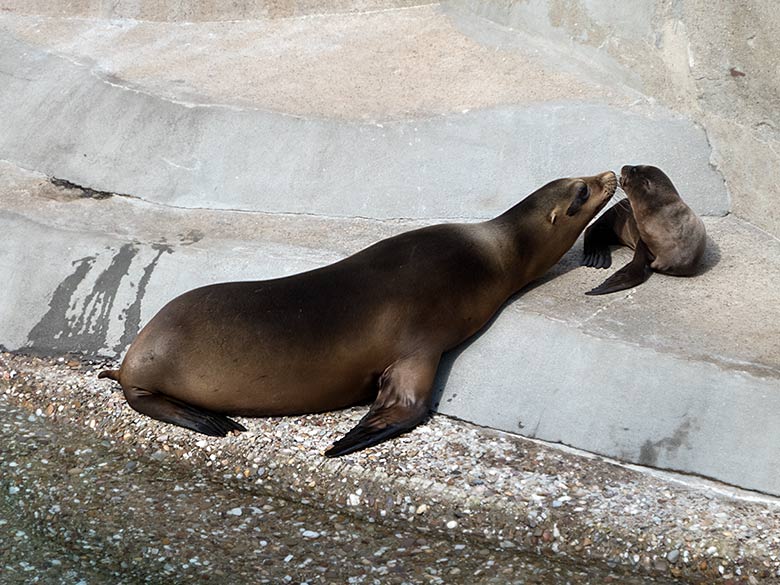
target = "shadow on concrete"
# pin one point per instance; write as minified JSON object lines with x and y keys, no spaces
{"x":711,"y":257}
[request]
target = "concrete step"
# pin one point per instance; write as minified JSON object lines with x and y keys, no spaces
{"x":266,"y":147}
{"x":432,"y":124}
{"x":679,"y":373}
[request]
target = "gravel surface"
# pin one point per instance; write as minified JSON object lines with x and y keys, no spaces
{"x":93,"y":492}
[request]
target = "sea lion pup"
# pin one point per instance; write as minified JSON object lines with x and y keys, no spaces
{"x":665,"y":234}
{"x":370,"y":327}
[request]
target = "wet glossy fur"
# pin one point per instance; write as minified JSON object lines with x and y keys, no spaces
{"x":370,"y":327}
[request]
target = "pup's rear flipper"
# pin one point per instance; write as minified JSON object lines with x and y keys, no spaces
{"x":401,"y":404}
{"x":632,"y":274}
{"x":170,"y":410}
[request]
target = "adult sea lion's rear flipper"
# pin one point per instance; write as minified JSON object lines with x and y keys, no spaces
{"x":632,"y":274}
{"x":170,"y":410}
{"x":402,"y":402}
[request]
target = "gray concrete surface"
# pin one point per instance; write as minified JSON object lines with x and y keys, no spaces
{"x":196,"y":10}
{"x":717,"y":62}
{"x":88,"y":126}
{"x":646,"y":376}
{"x":245,"y":150}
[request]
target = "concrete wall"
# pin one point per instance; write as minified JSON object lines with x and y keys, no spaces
{"x":195,"y":10}
{"x":717,"y":61}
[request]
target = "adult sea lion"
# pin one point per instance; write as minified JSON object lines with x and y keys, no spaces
{"x":372,"y":326}
{"x":665,"y":234}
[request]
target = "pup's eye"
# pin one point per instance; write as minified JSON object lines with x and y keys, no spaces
{"x":583,"y":192}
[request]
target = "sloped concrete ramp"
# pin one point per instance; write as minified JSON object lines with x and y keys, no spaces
{"x":129,"y":179}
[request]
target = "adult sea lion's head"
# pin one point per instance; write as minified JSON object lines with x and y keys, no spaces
{"x":551,"y":219}
{"x":568,"y":205}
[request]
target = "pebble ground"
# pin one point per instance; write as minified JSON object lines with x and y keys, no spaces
{"x":94,"y":493}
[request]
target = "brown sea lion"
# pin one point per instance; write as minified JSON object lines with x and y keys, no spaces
{"x":370,"y":327}
{"x":665,"y":234}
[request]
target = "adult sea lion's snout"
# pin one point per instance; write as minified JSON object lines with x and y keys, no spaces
{"x":609,"y":184}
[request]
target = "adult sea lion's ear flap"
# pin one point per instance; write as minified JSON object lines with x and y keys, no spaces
{"x":401,"y":404}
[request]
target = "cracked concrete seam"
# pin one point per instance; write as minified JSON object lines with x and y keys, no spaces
{"x":90,"y":193}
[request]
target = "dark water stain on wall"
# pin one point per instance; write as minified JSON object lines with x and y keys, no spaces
{"x":650,"y":451}
{"x":84,"y":331}
{"x":54,"y":322}
{"x":132,"y":315}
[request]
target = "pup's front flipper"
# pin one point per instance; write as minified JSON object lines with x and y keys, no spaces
{"x":402,"y":402}
{"x":632,"y":274}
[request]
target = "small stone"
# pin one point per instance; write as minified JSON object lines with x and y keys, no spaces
{"x":13,"y":490}
{"x":421,"y":509}
{"x":672,"y":556}
{"x":353,"y":500}
{"x":159,"y":455}
{"x":310,"y":534}
{"x":712,"y":551}
{"x":452,"y":524}
{"x":235,"y":512}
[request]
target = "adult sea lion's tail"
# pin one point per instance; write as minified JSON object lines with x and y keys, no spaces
{"x":113,"y":374}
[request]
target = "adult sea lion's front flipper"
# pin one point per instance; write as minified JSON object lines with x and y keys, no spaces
{"x":403,"y":401}
{"x":608,"y":230}
{"x":632,"y":274}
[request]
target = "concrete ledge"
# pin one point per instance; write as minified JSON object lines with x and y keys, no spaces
{"x":79,"y":124}
{"x":658,"y":391}
{"x":543,"y":379}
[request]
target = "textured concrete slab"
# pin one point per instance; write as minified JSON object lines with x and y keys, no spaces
{"x":446,"y":166}
{"x":636,"y":404}
{"x":257,"y":149}
{"x":647,"y":376}
{"x":196,"y":10}
{"x":386,"y":65}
